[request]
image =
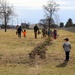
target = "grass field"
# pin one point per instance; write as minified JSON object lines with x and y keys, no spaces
{"x":14,"y":52}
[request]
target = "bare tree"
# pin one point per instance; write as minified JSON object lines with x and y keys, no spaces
{"x":45,"y":22}
{"x":50,"y":9}
{"x":6,"y":11}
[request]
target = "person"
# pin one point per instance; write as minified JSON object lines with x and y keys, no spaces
{"x":67,"y":47}
{"x":36,"y":30}
{"x":55,"y":34}
{"x":19,"y":30}
{"x":24,"y":33}
{"x":49,"y":32}
{"x":44,"y":32}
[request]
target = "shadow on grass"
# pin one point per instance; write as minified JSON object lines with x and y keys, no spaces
{"x":64,"y":64}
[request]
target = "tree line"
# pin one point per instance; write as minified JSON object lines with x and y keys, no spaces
{"x":69,"y":23}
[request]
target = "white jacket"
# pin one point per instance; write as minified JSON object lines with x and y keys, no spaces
{"x":67,"y":46}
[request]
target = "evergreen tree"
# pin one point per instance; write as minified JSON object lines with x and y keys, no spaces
{"x":61,"y":24}
{"x":69,"y":23}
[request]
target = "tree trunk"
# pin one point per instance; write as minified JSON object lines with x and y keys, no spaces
{"x":49,"y":23}
{"x":5,"y":24}
{"x":50,"y":19}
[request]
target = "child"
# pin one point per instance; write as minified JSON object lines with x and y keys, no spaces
{"x":44,"y":32}
{"x":67,"y":47}
{"x":55,"y":34}
{"x":24,"y":33}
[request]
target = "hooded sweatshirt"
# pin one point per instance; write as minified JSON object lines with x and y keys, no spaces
{"x":67,"y":46}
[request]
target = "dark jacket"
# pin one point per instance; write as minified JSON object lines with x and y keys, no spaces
{"x":19,"y":30}
{"x":36,"y":28}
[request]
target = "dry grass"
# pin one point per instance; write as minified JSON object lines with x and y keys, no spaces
{"x":14,"y":55}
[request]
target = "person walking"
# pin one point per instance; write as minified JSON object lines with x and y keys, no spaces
{"x":67,"y":47}
{"x":19,"y":30}
{"x":44,"y":32}
{"x":36,"y":30}
{"x":24,"y":33}
{"x":55,"y":34}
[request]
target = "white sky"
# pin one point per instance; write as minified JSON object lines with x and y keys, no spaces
{"x":28,"y":3}
{"x":37,"y":4}
{"x":24,"y":7}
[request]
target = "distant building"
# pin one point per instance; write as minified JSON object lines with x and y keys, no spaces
{"x":24,"y":26}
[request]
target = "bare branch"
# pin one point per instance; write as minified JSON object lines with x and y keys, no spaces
{"x":6,"y":11}
{"x":50,"y":9}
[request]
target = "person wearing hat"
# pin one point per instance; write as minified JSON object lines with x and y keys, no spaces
{"x":67,"y":47}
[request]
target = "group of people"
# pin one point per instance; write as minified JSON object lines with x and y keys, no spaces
{"x":66,"y":44}
{"x":19,"y":30}
{"x":45,"y":32}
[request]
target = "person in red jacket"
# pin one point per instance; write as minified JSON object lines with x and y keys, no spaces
{"x":55,"y":34}
{"x":24,"y":33}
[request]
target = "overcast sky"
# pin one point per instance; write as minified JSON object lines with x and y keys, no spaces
{"x":32,"y":10}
